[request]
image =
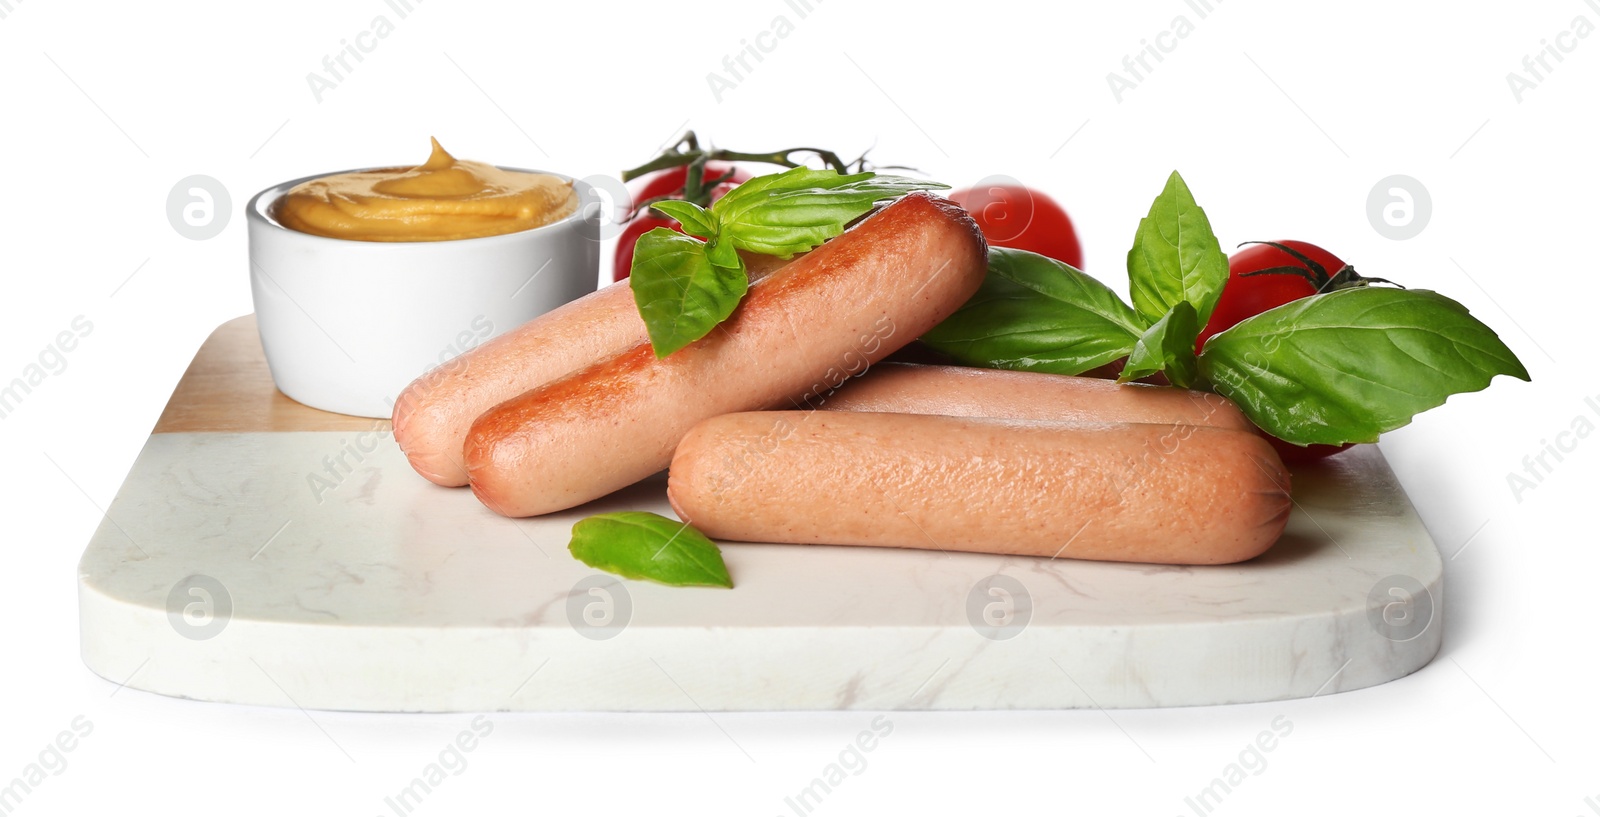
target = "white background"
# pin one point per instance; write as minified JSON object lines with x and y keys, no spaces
{"x":1281,"y":116}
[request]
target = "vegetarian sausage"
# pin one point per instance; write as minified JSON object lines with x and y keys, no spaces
{"x":803,"y":330}
{"x":960,"y":391}
{"x":433,"y":414}
{"x":1168,"y":494}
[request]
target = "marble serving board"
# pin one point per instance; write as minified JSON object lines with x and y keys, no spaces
{"x":262,"y":552}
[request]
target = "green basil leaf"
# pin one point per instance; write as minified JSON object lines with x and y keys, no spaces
{"x":684,"y":287}
{"x":1167,"y":346}
{"x":723,"y":254}
{"x":1175,"y":257}
{"x":639,"y":545}
{"x":1348,"y":365}
{"x":1038,"y":314}
{"x":761,"y":188}
{"x":696,"y":220}
{"x":794,"y":211}
{"x":681,"y":295}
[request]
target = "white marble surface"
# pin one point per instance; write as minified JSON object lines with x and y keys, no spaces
{"x":387,"y":593}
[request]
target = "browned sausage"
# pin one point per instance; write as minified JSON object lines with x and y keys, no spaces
{"x":433,"y":414}
{"x":803,"y":330}
{"x":1117,"y":492}
{"x":960,"y":391}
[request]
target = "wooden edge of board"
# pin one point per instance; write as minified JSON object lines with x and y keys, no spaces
{"x":229,"y":388}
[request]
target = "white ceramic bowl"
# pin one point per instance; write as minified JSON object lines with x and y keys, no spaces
{"x":346,"y":325}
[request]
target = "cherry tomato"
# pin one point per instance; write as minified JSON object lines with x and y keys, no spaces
{"x":1264,"y":276}
{"x":641,"y":224}
{"x":667,"y":182}
{"x":1014,"y":216}
{"x":1251,"y":289}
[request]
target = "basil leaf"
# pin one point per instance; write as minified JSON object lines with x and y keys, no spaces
{"x":684,"y":287}
{"x":1348,"y":365}
{"x":1038,"y":314}
{"x":1167,"y":346}
{"x":639,"y":545}
{"x":794,"y":211}
{"x":1175,"y":257}
{"x":723,"y":254}
{"x":681,"y":295}
{"x":696,"y":220}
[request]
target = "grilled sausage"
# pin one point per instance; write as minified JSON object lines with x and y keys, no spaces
{"x":803,"y":330}
{"x":433,"y":414}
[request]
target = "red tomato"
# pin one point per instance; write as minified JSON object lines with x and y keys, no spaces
{"x":1268,"y":275}
{"x":667,"y":182}
{"x":622,"y":264}
{"x":1014,"y":216}
{"x":1251,"y":289}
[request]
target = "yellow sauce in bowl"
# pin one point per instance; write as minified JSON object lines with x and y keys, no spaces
{"x":443,"y":199}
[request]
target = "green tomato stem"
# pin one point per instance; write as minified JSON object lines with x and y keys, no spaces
{"x":687,"y":151}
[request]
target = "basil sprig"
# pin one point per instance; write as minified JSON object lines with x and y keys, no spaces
{"x":694,"y":219}
{"x":1175,"y":257}
{"x":1337,"y":367}
{"x":680,"y":293}
{"x":640,"y":545}
{"x":1167,"y":346}
{"x":684,"y":287}
{"x":1348,"y":365}
{"x":1038,"y":314}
